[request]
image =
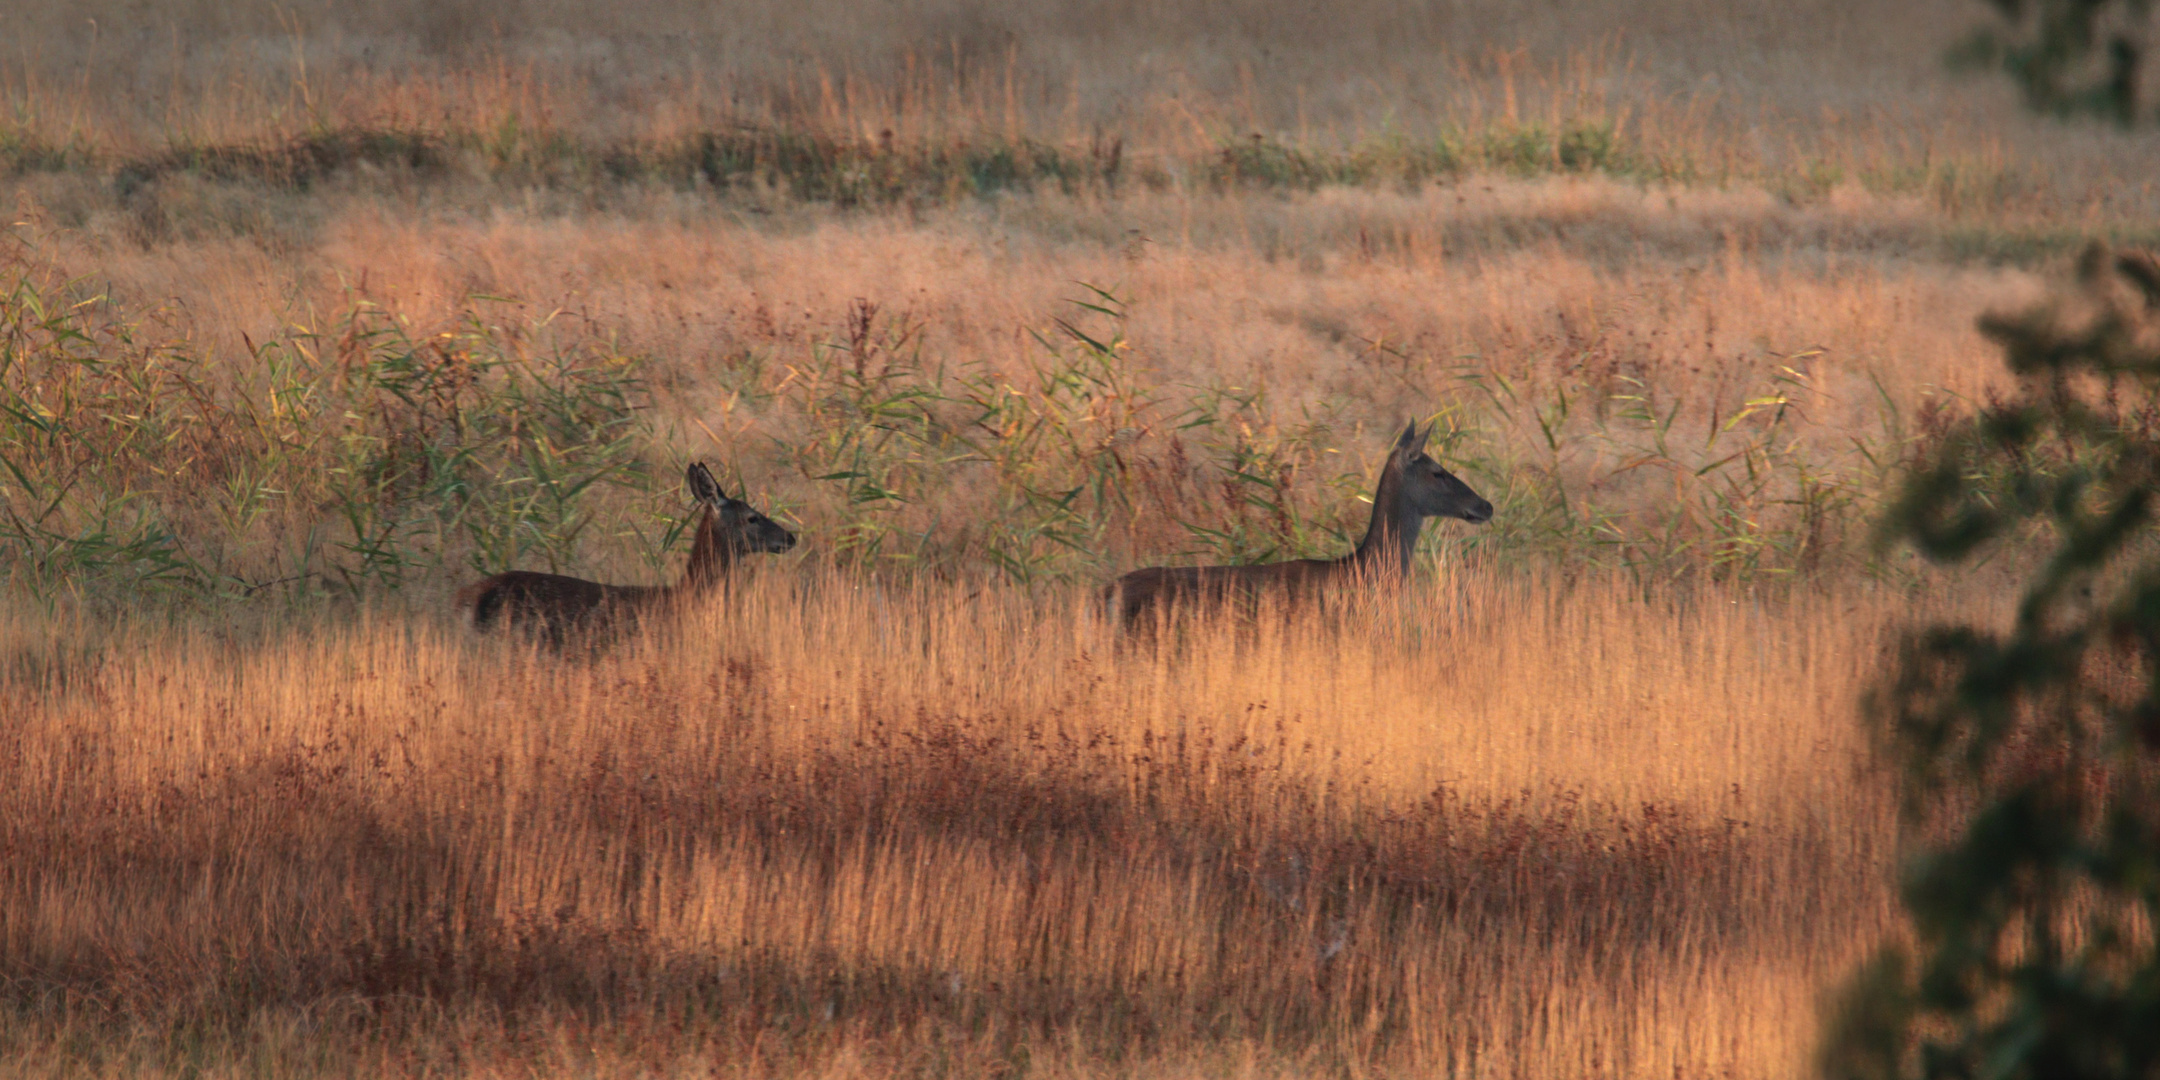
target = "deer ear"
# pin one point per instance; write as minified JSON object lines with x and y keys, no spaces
{"x":702,"y":486}
{"x":1417,"y":445}
{"x":1409,"y":443}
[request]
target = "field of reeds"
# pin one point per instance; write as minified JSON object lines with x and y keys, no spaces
{"x":310,"y":314}
{"x":840,"y":828}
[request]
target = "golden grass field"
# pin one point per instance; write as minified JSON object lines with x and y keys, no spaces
{"x":1503,"y":829}
{"x":1596,"y":798}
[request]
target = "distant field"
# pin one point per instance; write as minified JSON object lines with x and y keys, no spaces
{"x":309,"y":315}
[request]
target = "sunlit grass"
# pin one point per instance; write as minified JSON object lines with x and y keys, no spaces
{"x":1470,"y":832}
{"x":310,"y":314}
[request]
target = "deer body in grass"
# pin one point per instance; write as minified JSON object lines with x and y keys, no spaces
{"x":1412,"y":487}
{"x":555,"y":605}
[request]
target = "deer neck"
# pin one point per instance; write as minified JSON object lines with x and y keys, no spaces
{"x":710,"y":557}
{"x":1393,"y":534}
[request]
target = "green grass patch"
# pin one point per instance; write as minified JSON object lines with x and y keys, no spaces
{"x":847,"y":171}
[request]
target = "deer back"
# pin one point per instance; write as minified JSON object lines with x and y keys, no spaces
{"x":1411,"y":488}
{"x":557,"y":606}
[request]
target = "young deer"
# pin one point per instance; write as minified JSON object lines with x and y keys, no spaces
{"x":556,"y":605}
{"x":1412,"y":487}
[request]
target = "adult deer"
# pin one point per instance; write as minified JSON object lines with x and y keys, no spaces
{"x":556,"y":605}
{"x":1412,"y":487}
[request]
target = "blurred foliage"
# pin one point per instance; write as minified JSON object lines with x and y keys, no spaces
{"x":2070,"y":57}
{"x":2032,"y":754}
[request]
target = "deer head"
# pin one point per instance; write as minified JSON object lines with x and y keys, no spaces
{"x":1430,"y":490}
{"x":730,"y":526}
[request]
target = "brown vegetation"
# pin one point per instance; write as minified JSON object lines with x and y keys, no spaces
{"x":833,"y":828}
{"x":310,"y":312}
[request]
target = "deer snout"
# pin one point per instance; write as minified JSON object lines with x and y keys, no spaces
{"x":1478,"y":513}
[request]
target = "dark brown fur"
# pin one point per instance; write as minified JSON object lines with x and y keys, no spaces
{"x":1412,"y":488}
{"x":559,"y":607}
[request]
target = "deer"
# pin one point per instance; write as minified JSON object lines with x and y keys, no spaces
{"x":555,"y":605}
{"x":1412,"y":487}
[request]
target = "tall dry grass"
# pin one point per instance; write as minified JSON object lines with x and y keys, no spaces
{"x":1685,"y":283}
{"x":1690,"y":383}
{"x":1501,"y":828}
{"x":1708,"y":350}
